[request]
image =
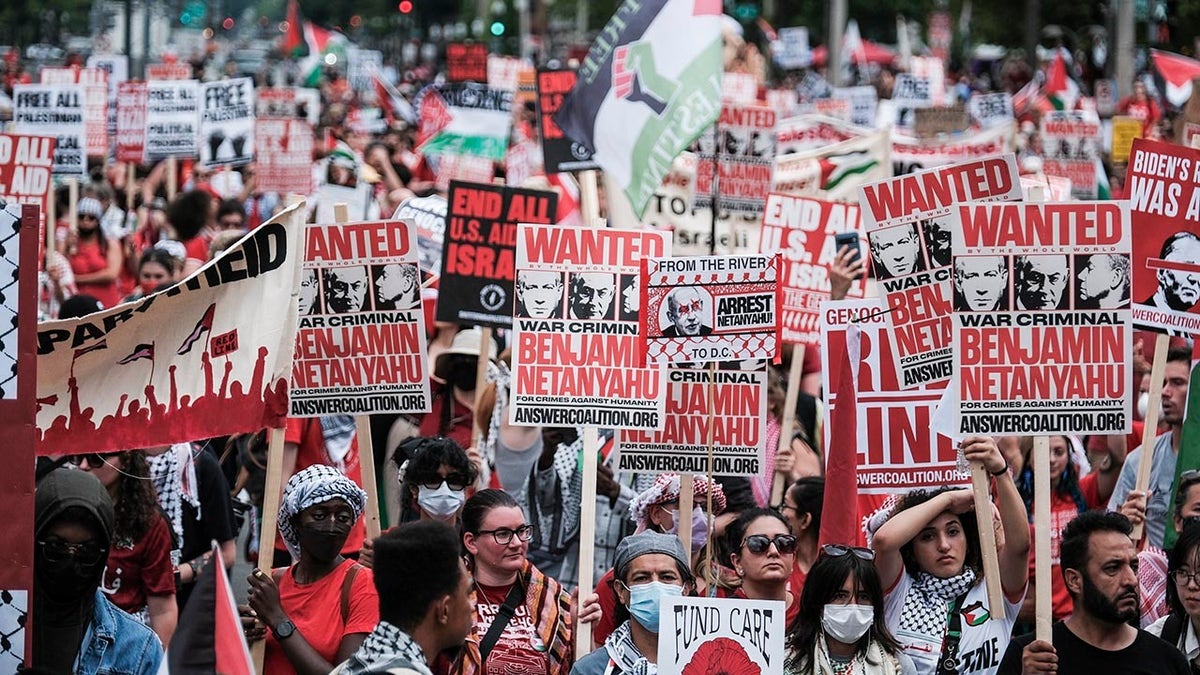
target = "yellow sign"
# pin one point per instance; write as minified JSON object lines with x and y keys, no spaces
{"x":1124,"y":130}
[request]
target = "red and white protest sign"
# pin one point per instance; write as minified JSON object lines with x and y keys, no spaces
{"x":1071,"y":148}
{"x":908,"y":221}
{"x":911,"y":154}
{"x":25,"y":166}
{"x":898,"y":449}
{"x":835,"y":170}
{"x":710,"y":308}
{"x":1043,"y":338}
{"x":54,"y":110}
{"x":801,"y":231}
{"x":285,"y":155}
{"x":469,"y":168}
{"x":721,"y":635}
{"x":466,"y":62}
{"x":95,"y":102}
{"x":172,"y":119}
{"x":360,"y":348}
{"x":131,"y":122}
{"x":141,"y":374}
{"x":809,"y":131}
{"x":725,"y":407}
{"x":743,"y":149}
{"x":1163,"y":187}
{"x":580,"y":365}
{"x":168,"y":71}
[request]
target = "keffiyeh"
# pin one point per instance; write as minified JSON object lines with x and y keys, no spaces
{"x":386,"y":647}
{"x":625,"y":654}
{"x":928,"y":599}
{"x":338,"y":431}
{"x":174,"y":476}
{"x":315,"y":485}
{"x":666,"y":490}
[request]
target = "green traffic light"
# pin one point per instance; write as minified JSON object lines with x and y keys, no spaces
{"x":497,"y":28}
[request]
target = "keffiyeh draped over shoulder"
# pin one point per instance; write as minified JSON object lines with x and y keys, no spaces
{"x":315,"y":485}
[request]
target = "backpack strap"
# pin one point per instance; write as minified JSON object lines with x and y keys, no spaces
{"x":347,"y":586}
{"x":1172,"y":629}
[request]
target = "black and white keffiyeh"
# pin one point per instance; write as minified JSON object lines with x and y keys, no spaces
{"x":174,"y":476}
{"x":925,"y":604}
{"x":386,"y":648}
{"x":620,"y":648}
{"x":338,"y":431}
{"x":315,"y":485}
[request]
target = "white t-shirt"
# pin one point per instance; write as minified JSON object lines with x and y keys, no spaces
{"x":980,"y":647}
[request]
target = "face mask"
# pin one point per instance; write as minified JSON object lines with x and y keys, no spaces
{"x":66,"y":580}
{"x":645,"y":600}
{"x":441,"y":503}
{"x":322,"y":543}
{"x":847,"y":623}
{"x":462,"y":376}
{"x":1143,"y":404}
{"x":699,"y":527}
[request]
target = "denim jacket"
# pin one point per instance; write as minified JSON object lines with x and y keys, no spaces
{"x":117,"y":644}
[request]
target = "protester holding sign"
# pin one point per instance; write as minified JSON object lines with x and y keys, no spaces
{"x":841,"y":622}
{"x":929,"y":559}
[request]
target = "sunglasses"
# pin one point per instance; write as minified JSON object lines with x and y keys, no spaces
{"x":456,"y":482}
{"x":94,"y":460}
{"x":759,"y":543}
{"x":57,"y":551}
{"x":839,"y":550}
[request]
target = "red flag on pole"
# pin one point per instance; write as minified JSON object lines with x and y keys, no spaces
{"x":839,"y":513}
{"x":209,"y":638}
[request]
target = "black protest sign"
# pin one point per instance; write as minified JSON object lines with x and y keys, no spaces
{"x":559,"y":152}
{"x":480,"y":243}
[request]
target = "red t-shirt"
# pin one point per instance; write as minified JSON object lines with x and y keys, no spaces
{"x":307,"y":434}
{"x":316,"y":610}
{"x":1089,"y":487}
{"x":89,"y":259}
{"x":519,"y":651}
{"x":789,"y":616}
{"x":141,"y":570}
{"x":1063,"y":510}
{"x":197,"y":247}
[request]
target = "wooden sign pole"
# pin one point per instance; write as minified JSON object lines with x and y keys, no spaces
{"x":787,"y":424}
{"x":1041,"y":531}
{"x":1158,"y":368}
{"x":590,"y":197}
{"x":272,"y":494}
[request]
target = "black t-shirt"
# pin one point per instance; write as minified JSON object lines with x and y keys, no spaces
{"x":1148,"y":655}
{"x":216,"y":511}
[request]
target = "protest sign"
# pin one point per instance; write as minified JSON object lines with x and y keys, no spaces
{"x":908,"y":220}
{"x":480,"y":244}
{"x":289,"y":102}
{"x":810,"y":131}
{"x":360,"y":348}
{"x":1050,"y":356}
{"x":991,"y":110}
{"x":739,"y":88}
{"x":168,"y":71}
{"x":502,"y":72}
{"x":1124,"y":130}
{"x":26,"y":163}
{"x":358,"y":200}
{"x":909,"y":93}
{"x":172,"y":119}
{"x":834,"y":171}
{"x":54,"y":110}
{"x":801,"y":230}
{"x":1071,"y":148}
{"x":522,"y":161}
{"x":577,"y":364}
{"x":361,"y":64}
{"x":18,"y":412}
{"x":143,"y":374}
{"x":864,"y":101}
{"x":132,"y":98}
{"x":898,"y":448}
{"x":116,"y":71}
{"x":710,"y":308}
{"x":792,"y":50}
{"x":837,"y":108}
{"x":466,"y":119}
{"x":466,"y":62}
{"x":559,"y":153}
{"x":930,"y":122}
{"x":453,"y":166}
{"x":285,"y":150}
{"x":911,"y":154}
{"x":227,"y":122}
{"x":724,"y":408}
{"x":721,"y":635}
{"x":785,"y":102}
{"x":1105,"y":91}
{"x":95,"y":103}
{"x":428,"y":214}
{"x":742,"y":147}
{"x":1163,"y":187}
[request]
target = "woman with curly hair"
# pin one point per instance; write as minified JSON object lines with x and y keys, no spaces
{"x":140,"y":577}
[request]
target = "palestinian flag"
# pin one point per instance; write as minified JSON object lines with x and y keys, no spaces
{"x":209,"y":635}
{"x":1177,"y":73}
{"x":651,"y":83}
{"x":464,"y":118}
{"x":310,"y":44}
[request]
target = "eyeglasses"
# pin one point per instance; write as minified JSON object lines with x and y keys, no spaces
{"x":759,"y":543}
{"x":504,"y":535}
{"x":839,"y":550}
{"x":1184,"y":577}
{"x":57,"y":551}
{"x":94,"y":460}
{"x":457,"y":482}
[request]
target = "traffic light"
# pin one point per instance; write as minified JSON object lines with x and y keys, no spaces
{"x":497,"y":28}
{"x":405,"y":6}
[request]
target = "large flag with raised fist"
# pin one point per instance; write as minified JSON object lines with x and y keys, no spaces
{"x":649,"y":85}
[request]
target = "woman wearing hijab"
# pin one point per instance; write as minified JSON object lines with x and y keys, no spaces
{"x":321,"y":608}
{"x":77,"y":629}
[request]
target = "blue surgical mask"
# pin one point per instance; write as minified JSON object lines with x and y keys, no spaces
{"x":646,"y":599}
{"x":699,"y":527}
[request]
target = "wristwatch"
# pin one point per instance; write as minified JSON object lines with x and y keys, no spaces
{"x":283,"y":630}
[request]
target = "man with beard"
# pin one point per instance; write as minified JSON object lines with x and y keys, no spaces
{"x":1099,"y":566}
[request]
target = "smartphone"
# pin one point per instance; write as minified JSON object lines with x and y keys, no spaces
{"x":842,"y":239}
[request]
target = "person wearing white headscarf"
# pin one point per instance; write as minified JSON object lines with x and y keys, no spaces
{"x":319,"y":610}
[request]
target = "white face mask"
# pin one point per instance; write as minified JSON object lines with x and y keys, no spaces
{"x":441,"y":503}
{"x":847,"y":623}
{"x":1143,"y":404}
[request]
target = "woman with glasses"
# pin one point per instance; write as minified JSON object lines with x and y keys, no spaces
{"x":841,"y":626}
{"x":95,"y":261}
{"x":319,"y":610}
{"x":762,"y":553}
{"x":522,"y":617}
{"x":1180,"y":627}
{"x":139,"y":577}
{"x":929,"y":559}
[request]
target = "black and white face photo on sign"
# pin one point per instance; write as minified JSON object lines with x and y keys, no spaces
{"x":346,"y":289}
{"x":397,"y":286}
{"x":981,"y":283}
{"x":591,"y":295}
{"x":1041,"y":282}
{"x":896,"y":251}
{"x":688,"y":312}
{"x":1102,"y":281}
{"x":1178,"y":289}
{"x":539,"y":294}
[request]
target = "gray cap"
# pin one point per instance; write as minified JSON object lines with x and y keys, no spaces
{"x":645,"y":543}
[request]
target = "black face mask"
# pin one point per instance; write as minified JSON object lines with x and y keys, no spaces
{"x":322,"y":542}
{"x":462,"y":375}
{"x":67,"y":580}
